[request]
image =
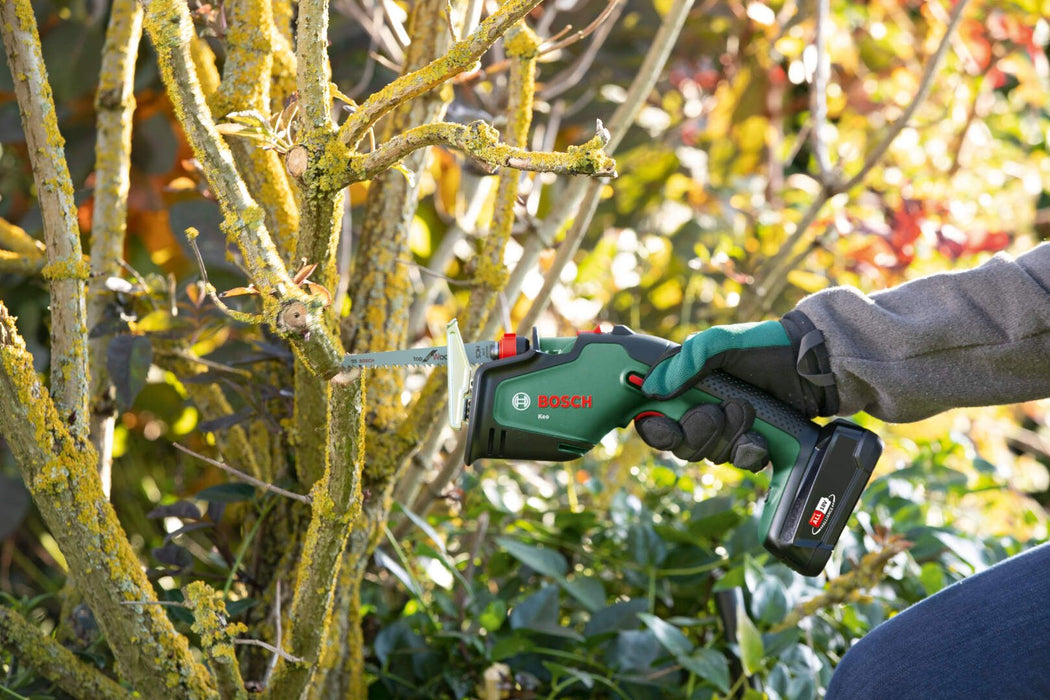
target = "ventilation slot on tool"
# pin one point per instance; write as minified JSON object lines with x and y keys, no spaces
{"x":492,"y":441}
{"x":502,"y":442}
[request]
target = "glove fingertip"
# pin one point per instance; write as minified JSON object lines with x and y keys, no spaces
{"x":751,"y":452}
{"x":659,"y":432}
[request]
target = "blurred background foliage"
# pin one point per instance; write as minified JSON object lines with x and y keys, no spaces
{"x":626,"y":573}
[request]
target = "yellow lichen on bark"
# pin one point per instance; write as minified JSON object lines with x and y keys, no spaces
{"x":53,"y":661}
{"x":60,"y":471}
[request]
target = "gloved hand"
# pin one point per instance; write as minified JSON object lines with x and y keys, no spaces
{"x":787,"y":359}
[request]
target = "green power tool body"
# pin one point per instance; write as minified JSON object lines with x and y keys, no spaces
{"x":553,"y":399}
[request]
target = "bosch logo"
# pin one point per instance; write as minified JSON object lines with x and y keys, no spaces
{"x":521,"y":401}
{"x":564,"y":401}
{"x":822,"y":513}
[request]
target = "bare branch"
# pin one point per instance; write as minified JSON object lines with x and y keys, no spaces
{"x":584,"y":196}
{"x":60,"y":472}
{"x":818,"y":95}
{"x":66,"y":269}
{"x":313,"y":69}
{"x":278,"y":653}
{"x":245,"y":477}
{"x":458,"y":59}
{"x":115,"y":105}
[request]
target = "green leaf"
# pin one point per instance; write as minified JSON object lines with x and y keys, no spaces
{"x":734,"y":578}
{"x":588,"y":590}
{"x":513,"y":645}
{"x":402,"y":575}
{"x":492,"y":617}
{"x":633,"y":651}
{"x":645,"y":545}
{"x":128,"y":358}
{"x":667,"y":634}
{"x":616,"y":617}
{"x":236,"y":607}
{"x":750,"y":641}
{"x":769,"y":601}
{"x":709,"y":665}
{"x":544,"y":561}
{"x":932,"y":577}
{"x":233,"y":492}
{"x":540,"y":610}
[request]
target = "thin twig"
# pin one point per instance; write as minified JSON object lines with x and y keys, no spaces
{"x":245,"y":477}
{"x":460,"y":58}
{"x":776,"y":269}
{"x":166,"y":603}
{"x":818,"y":95}
{"x":270,"y":647}
{"x":191,"y":236}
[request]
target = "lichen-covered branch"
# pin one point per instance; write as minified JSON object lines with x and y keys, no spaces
{"x":53,"y":661}
{"x":115,"y":105}
{"x":246,"y":86}
{"x":459,"y":58}
{"x":66,"y":270}
{"x":20,"y":263}
{"x":217,"y":638}
{"x":296,"y":315}
{"x":850,"y":587}
{"x":59,"y":469}
{"x":481,"y":142}
{"x":336,"y":505}
{"x":20,"y":253}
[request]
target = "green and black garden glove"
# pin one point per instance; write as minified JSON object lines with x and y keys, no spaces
{"x":787,"y":359}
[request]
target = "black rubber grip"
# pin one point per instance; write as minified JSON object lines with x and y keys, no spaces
{"x":767,"y":409}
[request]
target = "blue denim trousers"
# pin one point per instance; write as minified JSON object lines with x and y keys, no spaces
{"x":987,"y":636}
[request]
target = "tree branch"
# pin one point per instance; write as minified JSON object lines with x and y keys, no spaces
{"x":115,"y":105}
{"x":459,"y":58}
{"x":295,"y":315}
{"x":60,"y":471}
{"x":481,"y":142}
{"x":53,"y":661}
{"x":237,"y":474}
{"x":313,"y":69}
{"x":217,"y":638}
{"x":66,"y":269}
{"x":336,"y":506}
{"x":245,"y":86}
{"x":818,"y":95}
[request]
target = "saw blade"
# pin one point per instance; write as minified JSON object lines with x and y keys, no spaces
{"x":477,"y":353}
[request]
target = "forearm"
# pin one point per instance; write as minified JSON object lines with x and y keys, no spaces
{"x":971,"y":338}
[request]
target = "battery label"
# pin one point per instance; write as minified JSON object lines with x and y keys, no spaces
{"x":825,"y":506}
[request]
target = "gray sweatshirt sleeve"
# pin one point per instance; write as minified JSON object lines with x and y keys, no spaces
{"x":979,"y":337}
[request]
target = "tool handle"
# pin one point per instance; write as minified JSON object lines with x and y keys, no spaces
{"x":558,"y":399}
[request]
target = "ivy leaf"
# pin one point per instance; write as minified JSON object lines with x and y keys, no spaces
{"x":538,"y":611}
{"x":178,"y":509}
{"x":667,"y":634}
{"x":227,"y":493}
{"x":128,"y":359}
{"x":709,"y":665}
{"x":544,"y":561}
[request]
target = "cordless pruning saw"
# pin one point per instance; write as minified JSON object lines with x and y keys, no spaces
{"x":553,"y":399}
